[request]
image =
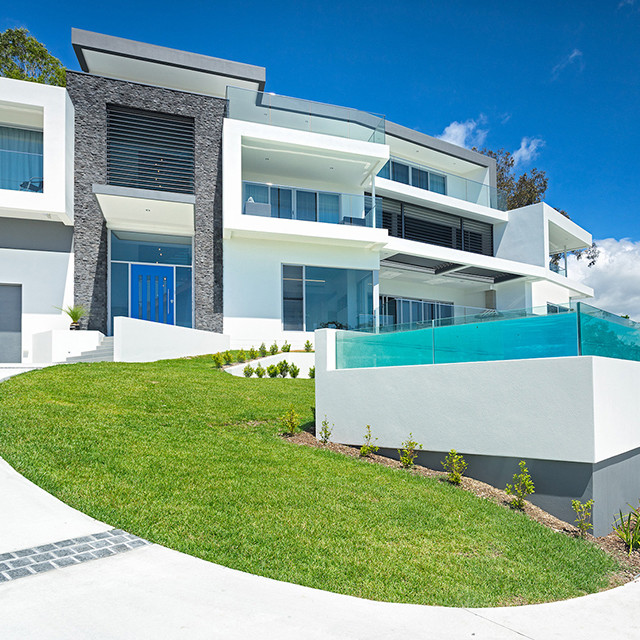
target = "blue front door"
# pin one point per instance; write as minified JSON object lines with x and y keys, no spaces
{"x":152,"y":293}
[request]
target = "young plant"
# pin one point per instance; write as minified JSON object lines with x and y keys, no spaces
{"x":273,"y":349}
{"x":283,"y":368}
{"x":242,"y":356}
{"x":308,"y":347}
{"x":253,"y":354}
{"x":408,"y":452}
{"x":260,"y":371}
{"x":217,"y":360}
{"x":262,"y":350}
{"x":286,"y":347}
{"x":627,"y":528}
{"x":228,"y":358}
{"x":583,"y":513}
{"x":272,"y":371}
{"x":522,"y":486}
{"x":368,"y":447}
{"x":294,"y":371}
{"x":75,"y":312}
{"x":248,"y":371}
{"x":290,"y":422}
{"x":455,"y":465}
{"x":312,"y":372}
{"x":325,"y":431}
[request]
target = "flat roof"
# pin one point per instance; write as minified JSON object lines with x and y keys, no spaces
{"x":125,"y":59}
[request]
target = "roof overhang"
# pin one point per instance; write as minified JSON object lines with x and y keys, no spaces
{"x":124,"y":59}
{"x":144,"y":211}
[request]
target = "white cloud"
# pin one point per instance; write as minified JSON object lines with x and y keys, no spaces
{"x":528,"y":150}
{"x":465,"y":134}
{"x":574,"y":57}
{"x":615,"y":278}
{"x":626,"y":3}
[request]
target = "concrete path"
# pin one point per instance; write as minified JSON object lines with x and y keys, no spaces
{"x":154,"y":592}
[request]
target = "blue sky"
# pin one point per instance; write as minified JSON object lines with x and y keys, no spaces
{"x":564,"y":77}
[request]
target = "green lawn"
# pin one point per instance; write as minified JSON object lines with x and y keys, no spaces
{"x":189,"y":457}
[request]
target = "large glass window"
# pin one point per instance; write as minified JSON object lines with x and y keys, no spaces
{"x":319,"y":297}
{"x":20,"y":159}
{"x":412,"y":311}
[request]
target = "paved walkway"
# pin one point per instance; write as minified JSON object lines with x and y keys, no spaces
{"x":154,"y":592}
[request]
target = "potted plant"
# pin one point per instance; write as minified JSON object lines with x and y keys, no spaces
{"x":75,"y":313}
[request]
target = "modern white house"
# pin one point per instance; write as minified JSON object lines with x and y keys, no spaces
{"x":169,"y":187}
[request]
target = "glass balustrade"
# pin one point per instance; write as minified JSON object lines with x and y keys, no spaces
{"x":305,"y":115}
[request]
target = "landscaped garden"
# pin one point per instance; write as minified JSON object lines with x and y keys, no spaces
{"x":190,"y":457}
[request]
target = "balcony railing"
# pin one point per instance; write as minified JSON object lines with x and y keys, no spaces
{"x":305,"y":115}
{"x":277,"y":201}
{"x":558,"y":268}
{"x":445,"y":183}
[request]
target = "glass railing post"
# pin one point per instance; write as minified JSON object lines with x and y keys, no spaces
{"x":578,"y":329}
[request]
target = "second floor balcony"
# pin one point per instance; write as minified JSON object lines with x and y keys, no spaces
{"x":291,"y":203}
{"x":444,"y":183}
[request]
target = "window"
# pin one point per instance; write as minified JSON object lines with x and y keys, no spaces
{"x":404,"y":220}
{"x":399,"y":172}
{"x":20,"y":159}
{"x":150,"y":150}
{"x":419,"y":177}
{"x":409,"y":311}
{"x":317,"y":297}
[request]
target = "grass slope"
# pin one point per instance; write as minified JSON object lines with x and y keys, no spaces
{"x":189,"y":457}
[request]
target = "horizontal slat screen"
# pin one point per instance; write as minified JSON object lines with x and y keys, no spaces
{"x":150,"y":150}
{"x":404,"y":220}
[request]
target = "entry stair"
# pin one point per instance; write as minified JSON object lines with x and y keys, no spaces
{"x":103,"y":353}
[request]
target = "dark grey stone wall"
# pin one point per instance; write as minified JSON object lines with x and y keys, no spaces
{"x":90,"y":96}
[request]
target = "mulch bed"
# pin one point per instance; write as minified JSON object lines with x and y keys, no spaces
{"x":611,"y":544}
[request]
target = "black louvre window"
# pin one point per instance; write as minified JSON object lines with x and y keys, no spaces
{"x":149,"y":150}
{"x":419,"y":224}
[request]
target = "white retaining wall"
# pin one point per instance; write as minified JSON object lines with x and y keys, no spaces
{"x":303,"y":360}
{"x":142,"y":341}
{"x":59,"y":344}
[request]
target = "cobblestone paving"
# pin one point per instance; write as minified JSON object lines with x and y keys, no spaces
{"x":47,"y":557}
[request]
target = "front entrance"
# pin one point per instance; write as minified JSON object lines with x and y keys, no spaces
{"x":152,"y":293}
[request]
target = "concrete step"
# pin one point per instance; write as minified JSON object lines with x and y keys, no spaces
{"x":102,"y":353}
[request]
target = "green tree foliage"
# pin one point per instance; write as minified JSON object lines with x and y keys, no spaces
{"x":528,"y":188}
{"x":22,"y":57}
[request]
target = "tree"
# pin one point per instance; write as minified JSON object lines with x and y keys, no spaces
{"x":22,"y":57}
{"x":528,"y":188}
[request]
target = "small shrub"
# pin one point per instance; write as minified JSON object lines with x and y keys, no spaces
{"x":583,"y":513}
{"x":325,"y":431}
{"x":283,"y":368}
{"x":522,"y":486}
{"x":286,"y":347}
{"x":290,"y":422}
{"x":273,"y":349}
{"x":455,"y":465}
{"x":217,"y":360}
{"x":253,"y":354}
{"x":368,"y":447}
{"x":308,"y":347}
{"x":262,"y":350}
{"x":228,"y":358}
{"x":272,"y":371}
{"x":312,"y":372}
{"x":408,"y":452}
{"x":294,"y":371}
{"x":260,"y":371}
{"x":627,"y":528}
{"x":242,"y":356}
{"x":248,"y":371}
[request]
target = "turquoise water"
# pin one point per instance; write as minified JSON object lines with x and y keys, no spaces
{"x":534,"y":336}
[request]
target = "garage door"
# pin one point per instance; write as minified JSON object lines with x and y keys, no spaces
{"x":10,"y":323}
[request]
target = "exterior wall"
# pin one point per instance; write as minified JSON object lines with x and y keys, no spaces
{"x":90,"y":95}
{"x":59,"y":344}
{"x":575,"y":420}
{"x":543,"y":292}
{"x":302,"y":360}
{"x":141,"y":341}
{"x":253,"y":285}
{"x":56,"y":198}
{"x":38,"y":256}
